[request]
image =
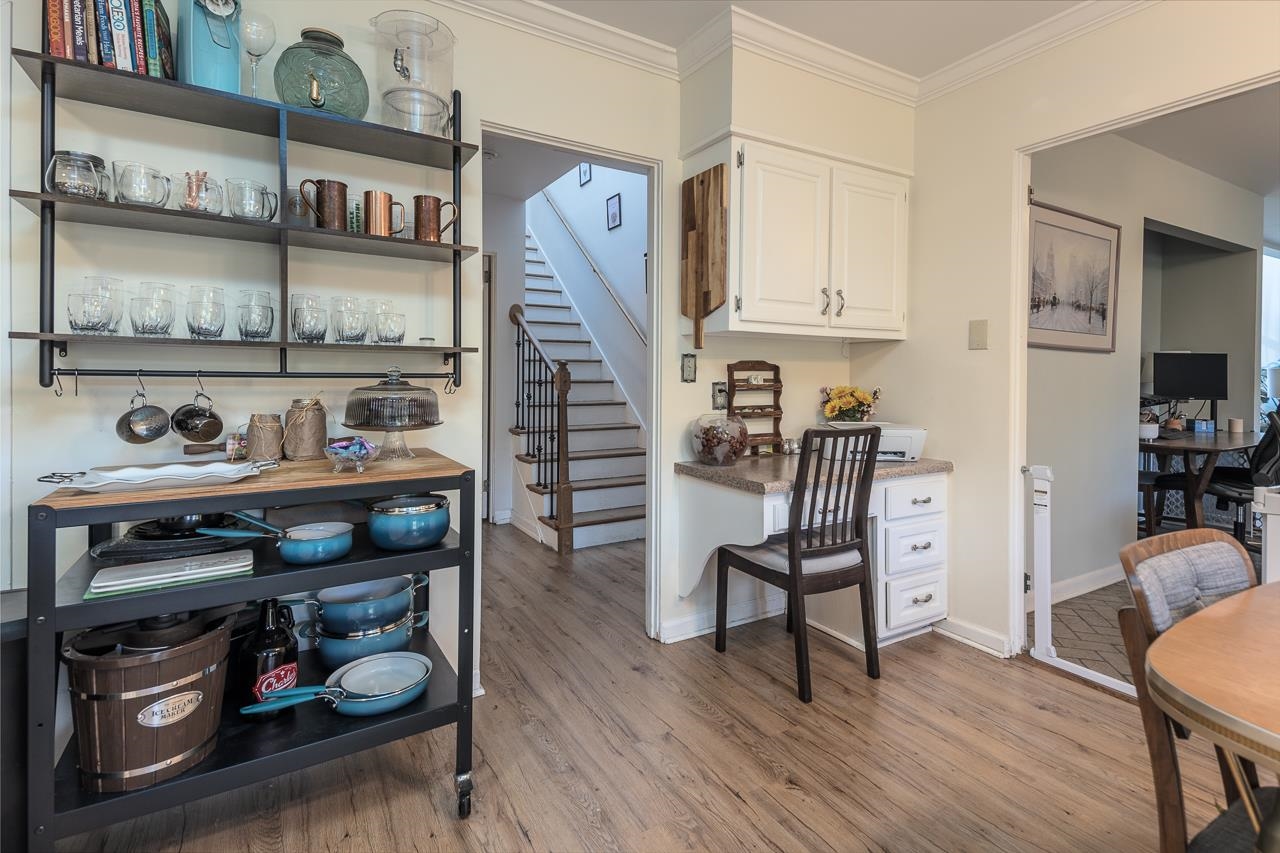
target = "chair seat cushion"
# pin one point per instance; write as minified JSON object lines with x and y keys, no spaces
{"x":1231,"y":830}
{"x":772,"y":554}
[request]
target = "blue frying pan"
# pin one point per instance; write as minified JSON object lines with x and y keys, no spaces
{"x":372,"y":685}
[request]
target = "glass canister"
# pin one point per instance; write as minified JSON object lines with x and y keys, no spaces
{"x":415,"y":70}
{"x":306,"y":427}
{"x":316,"y":73}
{"x":79,"y":174}
{"x":718,"y":438}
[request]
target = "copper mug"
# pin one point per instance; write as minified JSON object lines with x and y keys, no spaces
{"x":328,"y":202}
{"x":426,"y":217}
{"x":378,"y":216}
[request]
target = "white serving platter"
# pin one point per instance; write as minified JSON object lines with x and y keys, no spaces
{"x":173,"y":475}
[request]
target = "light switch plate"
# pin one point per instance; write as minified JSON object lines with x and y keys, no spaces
{"x":977,"y":334}
{"x":719,"y":396}
{"x":688,"y":367}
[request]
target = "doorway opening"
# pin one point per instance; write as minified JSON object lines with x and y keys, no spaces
{"x":571,"y":341}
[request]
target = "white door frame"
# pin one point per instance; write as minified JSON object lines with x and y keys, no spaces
{"x":1020,"y":295}
{"x":653,"y":457}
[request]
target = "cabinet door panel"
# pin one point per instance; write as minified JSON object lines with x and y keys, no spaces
{"x":785,"y":230}
{"x":868,"y":250}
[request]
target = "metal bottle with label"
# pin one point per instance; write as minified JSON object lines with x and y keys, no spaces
{"x":269,"y":658}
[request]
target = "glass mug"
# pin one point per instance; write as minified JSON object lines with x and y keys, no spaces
{"x":137,"y":183}
{"x":77,"y":174}
{"x":197,"y":192}
{"x":248,"y":199}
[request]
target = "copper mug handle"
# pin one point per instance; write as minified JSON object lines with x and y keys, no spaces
{"x":403,"y":218}
{"x":444,"y":225}
{"x":308,"y":203}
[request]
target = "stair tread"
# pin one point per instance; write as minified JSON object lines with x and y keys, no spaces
{"x":593,"y":484}
{"x":584,"y":427}
{"x":590,"y":455}
{"x":544,"y":275}
{"x":588,"y":402}
{"x":534,"y":261}
{"x":572,"y":360}
{"x":543,"y":290}
{"x":598,"y":516}
{"x":552,"y":307}
{"x":532,"y":322}
{"x":564,"y":341}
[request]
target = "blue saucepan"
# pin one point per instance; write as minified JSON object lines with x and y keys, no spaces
{"x":304,"y":544}
{"x":364,"y":606}
{"x":363,"y":688}
{"x":338,"y":649}
{"x":409,"y":522}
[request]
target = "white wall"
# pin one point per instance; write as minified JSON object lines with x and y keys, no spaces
{"x":1082,"y":408}
{"x":1152,"y":296}
{"x":968,"y":247}
{"x":617,"y":254}
{"x":504,"y":236}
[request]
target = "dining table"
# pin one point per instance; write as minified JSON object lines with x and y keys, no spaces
{"x":1200,"y":452}
{"x":1217,"y":672}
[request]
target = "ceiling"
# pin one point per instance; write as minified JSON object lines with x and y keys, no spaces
{"x":916,"y":37}
{"x":1236,"y":139}
{"x":519,"y":168}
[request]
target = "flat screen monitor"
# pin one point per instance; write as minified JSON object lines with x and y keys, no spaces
{"x":1189,"y":375}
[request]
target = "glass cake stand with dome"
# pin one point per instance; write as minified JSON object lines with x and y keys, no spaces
{"x":395,"y":407}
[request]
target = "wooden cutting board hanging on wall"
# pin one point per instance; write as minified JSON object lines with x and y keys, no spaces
{"x":704,"y":249}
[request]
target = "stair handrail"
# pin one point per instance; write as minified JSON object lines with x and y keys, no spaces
{"x":552,"y":423}
{"x":595,"y":268}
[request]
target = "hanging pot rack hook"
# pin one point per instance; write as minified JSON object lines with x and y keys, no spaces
{"x":199,"y":382}
{"x":57,"y":377}
{"x":141,"y":387}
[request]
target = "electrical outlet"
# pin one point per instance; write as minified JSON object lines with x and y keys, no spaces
{"x":719,"y":396}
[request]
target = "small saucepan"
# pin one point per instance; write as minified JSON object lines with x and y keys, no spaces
{"x":366,"y":687}
{"x":364,"y":606}
{"x":409,"y":522}
{"x":304,"y":544}
{"x":337,"y":649}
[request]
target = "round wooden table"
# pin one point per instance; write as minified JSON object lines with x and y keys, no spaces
{"x":1218,"y":673}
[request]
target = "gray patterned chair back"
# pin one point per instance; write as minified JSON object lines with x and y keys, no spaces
{"x":1180,"y":580}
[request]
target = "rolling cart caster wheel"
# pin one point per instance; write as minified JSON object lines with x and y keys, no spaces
{"x":464,"y":805}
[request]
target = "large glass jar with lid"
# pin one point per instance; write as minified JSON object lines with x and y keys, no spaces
{"x":316,"y":73}
{"x":392,"y":406}
{"x":415,"y":70}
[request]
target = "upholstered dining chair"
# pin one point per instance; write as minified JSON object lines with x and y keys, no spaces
{"x":1171,"y":577}
{"x":826,"y":544}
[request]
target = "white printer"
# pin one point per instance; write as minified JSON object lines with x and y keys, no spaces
{"x":899,"y":442}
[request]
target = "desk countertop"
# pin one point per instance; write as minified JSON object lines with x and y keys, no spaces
{"x":770,"y":475}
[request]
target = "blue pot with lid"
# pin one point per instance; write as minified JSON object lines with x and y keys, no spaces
{"x":409,"y":522}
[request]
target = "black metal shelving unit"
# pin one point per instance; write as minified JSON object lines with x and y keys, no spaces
{"x":246,"y":753}
{"x":76,"y":81}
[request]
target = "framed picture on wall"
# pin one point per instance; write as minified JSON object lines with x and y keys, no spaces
{"x":1074,"y":273}
{"x":584,"y":174}
{"x":613,"y":211}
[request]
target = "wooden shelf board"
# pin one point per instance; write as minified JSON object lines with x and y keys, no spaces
{"x":93,"y":84}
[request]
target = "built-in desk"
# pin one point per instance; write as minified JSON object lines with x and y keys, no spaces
{"x":749,"y":501}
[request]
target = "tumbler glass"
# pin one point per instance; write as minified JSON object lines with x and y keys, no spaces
{"x":206,"y":320}
{"x":113,"y":289}
{"x":344,"y":303}
{"x":256,"y":322}
{"x":388,"y":328}
{"x":310,"y":325}
{"x":151,"y":316}
{"x":156,"y":290}
{"x":351,"y":327}
{"x":137,"y":183}
{"x":379,"y":306}
{"x":197,"y":192}
{"x":299,"y":301}
{"x":89,"y":313}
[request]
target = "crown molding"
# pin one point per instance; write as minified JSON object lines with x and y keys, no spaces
{"x":1049,"y":33}
{"x":572,"y":30}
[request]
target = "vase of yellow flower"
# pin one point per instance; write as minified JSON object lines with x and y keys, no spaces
{"x":848,"y":404}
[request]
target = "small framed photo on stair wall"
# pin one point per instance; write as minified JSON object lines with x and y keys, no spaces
{"x":613,"y":211}
{"x":584,"y":174}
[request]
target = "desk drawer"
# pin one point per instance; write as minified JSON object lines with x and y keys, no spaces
{"x":916,"y":497}
{"x":915,"y":598}
{"x":919,"y":545}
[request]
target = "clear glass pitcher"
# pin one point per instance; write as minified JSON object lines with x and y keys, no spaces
{"x":415,"y":52}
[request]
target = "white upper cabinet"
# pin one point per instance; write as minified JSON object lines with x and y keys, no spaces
{"x":786,"y":213}
{"x":868,"y":250}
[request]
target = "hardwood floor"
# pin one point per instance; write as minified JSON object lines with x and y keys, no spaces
{"x":592,"y":737}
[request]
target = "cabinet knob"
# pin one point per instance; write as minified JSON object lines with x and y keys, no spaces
{"x":925,"y":547}
{"x":925,"y":600}
{"x":826,"y":301}
{"x":840,"y":305}
{"x":918,"y":501}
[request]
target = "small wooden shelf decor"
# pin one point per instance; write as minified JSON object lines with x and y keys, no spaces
{"x":759,"y":409}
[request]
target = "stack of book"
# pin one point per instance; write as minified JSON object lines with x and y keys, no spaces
{"x":128,"y":35}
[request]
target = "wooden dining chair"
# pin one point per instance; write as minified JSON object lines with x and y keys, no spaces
{"x":825,"y":546}
{"x":1172,"y":576}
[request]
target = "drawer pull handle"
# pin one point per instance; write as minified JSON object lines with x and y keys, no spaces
{"x":918,"y":501}
{"x":925,"y":547}
{"x":925,"y":600}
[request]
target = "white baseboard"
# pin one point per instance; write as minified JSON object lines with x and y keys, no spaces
{"x":980,"y":638}
{"x":704,"y":621}
{"x":528,"y":527}
{"x":857,"y":642}
{"x":476,"y":688}
{"x":502,"y":516}
{"x":1082,"y":584}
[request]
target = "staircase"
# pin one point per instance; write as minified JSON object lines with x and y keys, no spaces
{"x":594,"y":493}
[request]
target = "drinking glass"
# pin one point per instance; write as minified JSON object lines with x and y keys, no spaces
{"x":137,"y":183}
{"x":310,"y":325}
{"x":156,"y":290}
{"x":151,"y":316}
{"x":344,"y":303}
{"x":251,"y":200}
{"x":389,"y":328}
{"x":256,"y":322}
{"x":351,"y":327}
{"x":206,"y":293}
{"x":263,"y":298}
{"x":113,"y":289}
{"x":379,"y":306}
{"x":89,"y":313}
{"x":298,"y":301}
{"x":206,"y":320}
{"x":197,"y":192}
{"x":257,"y":37}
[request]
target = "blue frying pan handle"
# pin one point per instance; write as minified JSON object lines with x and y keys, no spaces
{"x":231,"y":534}
{"x":289,"y":697}
{"x":253,"y":519}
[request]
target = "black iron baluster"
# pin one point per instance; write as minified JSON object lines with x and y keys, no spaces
{"x":519,"y":389}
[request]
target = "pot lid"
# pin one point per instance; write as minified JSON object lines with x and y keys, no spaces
{"x":411,"y":504}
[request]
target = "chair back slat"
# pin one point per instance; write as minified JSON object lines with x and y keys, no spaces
{"x":834,"y":477}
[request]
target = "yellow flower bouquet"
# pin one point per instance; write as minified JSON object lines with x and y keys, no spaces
{"x":849,"y":403}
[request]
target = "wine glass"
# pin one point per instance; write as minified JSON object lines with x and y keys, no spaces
{"x":258,"y":36}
